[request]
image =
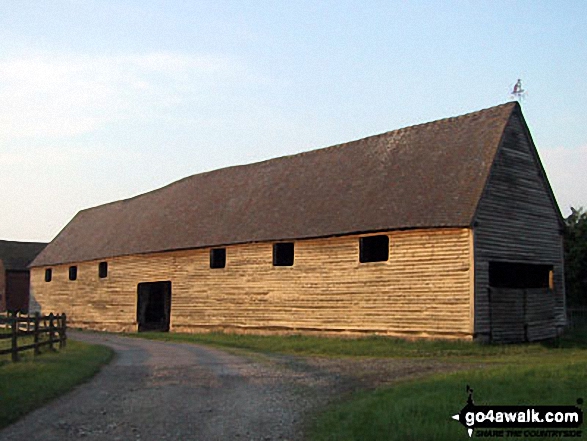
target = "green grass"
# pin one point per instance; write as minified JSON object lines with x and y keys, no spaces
{"x":421,"y":410}
{"x":32,"y":382}
{"x":374,"y":346}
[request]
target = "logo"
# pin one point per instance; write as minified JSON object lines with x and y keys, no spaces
{"x":518,"y":420}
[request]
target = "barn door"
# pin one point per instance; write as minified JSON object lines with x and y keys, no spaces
{"x":507,"y":315}
{"x":521,"y":302}
{"x":154,"y":306}
{"x":540,"y":314}
{"x":521,"y":314}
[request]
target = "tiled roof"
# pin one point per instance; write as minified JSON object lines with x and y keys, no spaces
{"x":16,"y":256}
{"x":429,"y":175}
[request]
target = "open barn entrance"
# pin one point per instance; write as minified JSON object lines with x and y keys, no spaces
{"x":521,"y":302}
{"x":154,"y":306}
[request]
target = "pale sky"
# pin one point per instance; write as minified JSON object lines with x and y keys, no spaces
{"x":104,"y":100}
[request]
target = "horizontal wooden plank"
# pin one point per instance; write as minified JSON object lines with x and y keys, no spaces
{"x":424,"y":287}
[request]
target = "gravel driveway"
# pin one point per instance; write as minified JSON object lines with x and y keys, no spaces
{"x":167,"y":391}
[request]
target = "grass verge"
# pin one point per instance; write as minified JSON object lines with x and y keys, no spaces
{"x":421,"y":410}
{"x":32,"y":382}
{"x":373,"y":346}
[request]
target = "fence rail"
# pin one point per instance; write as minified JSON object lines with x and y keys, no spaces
{"x":38,"y":326}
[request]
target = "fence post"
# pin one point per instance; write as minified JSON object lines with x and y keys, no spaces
{"x":60,"y":329}
{"x":36,"y":337}
{"x":64,"y":329}
{"x":14,"y":338}
{"x":51,"y":330}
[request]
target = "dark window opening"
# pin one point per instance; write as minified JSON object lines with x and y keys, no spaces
{"x":283,"y":254}
{"x":374,"y":249}
{"x":218,"y":258}
{"x":73,"y":273}
{"x":154,"y":306}
{"x":519,"y":275}
{"x":103,"y":270}
{"x":48,"y":274}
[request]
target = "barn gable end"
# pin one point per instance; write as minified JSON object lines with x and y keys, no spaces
{"x":517,"y":236}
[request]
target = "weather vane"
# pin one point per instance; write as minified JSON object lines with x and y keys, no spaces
{"x":518,"y":93}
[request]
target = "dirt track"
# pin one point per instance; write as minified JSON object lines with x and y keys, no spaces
{"x":166,"y":391}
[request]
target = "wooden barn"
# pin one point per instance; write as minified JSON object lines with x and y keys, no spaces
{"x":442,"y":230}
{"x":15,"y":258}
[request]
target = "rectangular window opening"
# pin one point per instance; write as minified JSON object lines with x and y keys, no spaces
{"x":103,"y":270}
{"x":218,"y":258}
{"x":374,"y":249}
{"x":283,"y":254}
{"x":48,"y":274}
{"x":520,"y":275}
{"x":73,"y":273}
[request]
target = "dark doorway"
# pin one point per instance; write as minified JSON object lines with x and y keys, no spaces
{"x":521,"y":302}
{"x":519,"y":275}
{"x":17,"y":291}
{"x":154,"y":306}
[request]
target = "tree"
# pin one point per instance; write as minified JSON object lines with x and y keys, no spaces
{"x":576,"y":258}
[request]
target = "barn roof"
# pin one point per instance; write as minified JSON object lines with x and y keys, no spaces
{"x":428,"y":175}
{"x":16,"y":256}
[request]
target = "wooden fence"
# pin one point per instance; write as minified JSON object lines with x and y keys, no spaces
{"x":46,"y":330}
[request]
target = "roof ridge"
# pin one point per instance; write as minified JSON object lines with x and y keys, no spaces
{"x":313,"y":151}
{"x":401,"y":129}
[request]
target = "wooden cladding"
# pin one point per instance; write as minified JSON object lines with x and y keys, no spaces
{"x":423,"y":289}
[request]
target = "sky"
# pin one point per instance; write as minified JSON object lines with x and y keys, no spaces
{"x":104,"y":100}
